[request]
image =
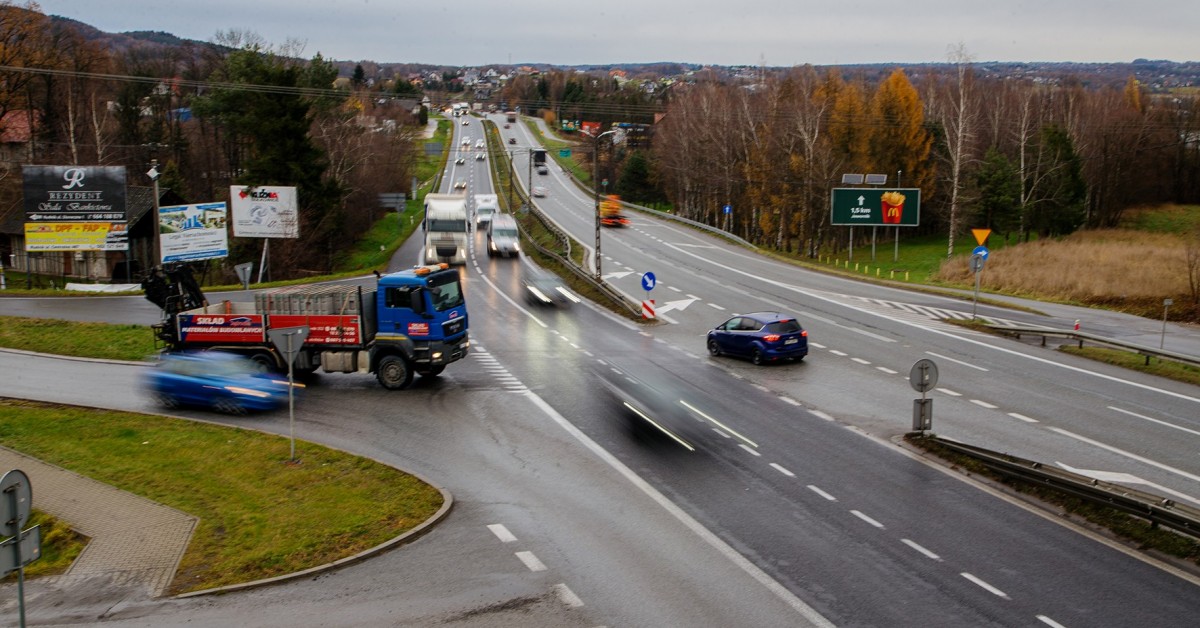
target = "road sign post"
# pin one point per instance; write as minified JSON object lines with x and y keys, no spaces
{"x":923,"y":377}
{"x":16,"y":502}
{"x":977,"y":259}
{"x":288,"y":341}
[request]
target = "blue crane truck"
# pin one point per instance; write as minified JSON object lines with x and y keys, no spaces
{"x":412,"y":321}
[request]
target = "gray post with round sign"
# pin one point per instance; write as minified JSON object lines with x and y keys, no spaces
{"x":288,"y":340}
{"x":923,"y":377}
{"x":16,"y":502}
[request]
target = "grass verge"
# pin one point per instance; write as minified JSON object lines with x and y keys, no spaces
{"x":90,"y":340}
{"x":1137,"y":362}
{"x":60,"y":546}
{"x":260,"y":515}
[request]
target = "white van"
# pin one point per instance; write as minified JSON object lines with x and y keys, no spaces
{"x":486,"y":206}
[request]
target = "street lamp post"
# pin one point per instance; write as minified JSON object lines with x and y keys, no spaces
{"x":155,"y":248}
{"x":596,"y":191}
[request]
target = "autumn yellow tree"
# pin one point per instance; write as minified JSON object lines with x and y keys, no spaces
{"x":900,"y":142}
{"x":850,"y":130}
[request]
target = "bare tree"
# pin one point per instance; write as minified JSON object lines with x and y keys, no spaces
{"x":959,"y":117}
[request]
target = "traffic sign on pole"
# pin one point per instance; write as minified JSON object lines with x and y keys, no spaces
{"x":288,"y":341}
{"x":648,"y":281}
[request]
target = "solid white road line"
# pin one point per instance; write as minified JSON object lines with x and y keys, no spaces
{"x":1163,"y":423}
{"x":1115,"y":450}
{"x":942,"y":357}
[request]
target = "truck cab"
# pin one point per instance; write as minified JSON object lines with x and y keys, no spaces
{"x":422,"y":324}
{"x":446,"y":229}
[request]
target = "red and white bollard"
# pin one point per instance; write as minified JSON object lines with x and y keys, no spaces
{"x":648,"y":308}
{"x":1076,"y":324}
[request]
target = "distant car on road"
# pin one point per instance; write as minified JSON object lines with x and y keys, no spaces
{"x":224,"y":381}
{"x":461,"y":184}
{"x":761,"y":336}
{"x":539,"y":191}
{"x":479,"y":156}
{"x":503,"y":238}
{"x":460,"y":161}
{"x":542,"y":169}
{"x":546,"y":289}
{"x":506,"y":125}
{"x":512,"y":140}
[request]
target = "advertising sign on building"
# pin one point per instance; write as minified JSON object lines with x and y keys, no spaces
{"x":75,"y":208}
{"x":264,"y":212}
{"x":193,"y":232}
{"x":76,"y":236}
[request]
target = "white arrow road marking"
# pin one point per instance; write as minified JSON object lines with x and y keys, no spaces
{"x":674,"y":305}
{"x":1117,"y":477}
{"x":617,"y":275}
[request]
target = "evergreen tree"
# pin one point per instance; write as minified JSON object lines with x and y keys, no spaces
{"x":999,"y":186}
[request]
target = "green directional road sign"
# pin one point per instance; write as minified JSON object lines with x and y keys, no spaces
{"x":876,"y":207}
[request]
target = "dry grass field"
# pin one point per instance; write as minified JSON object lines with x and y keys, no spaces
{"x":1129,"y":269}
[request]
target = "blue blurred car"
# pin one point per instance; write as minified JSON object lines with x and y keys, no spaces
{"x":224,"y":381}
{"x":761,"y":336}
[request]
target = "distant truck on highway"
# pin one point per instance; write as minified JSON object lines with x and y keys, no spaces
{"x":610,"y":212}
{"x":413,"y":321}
{"x":446,"y":228}
{"x":510,"y":116}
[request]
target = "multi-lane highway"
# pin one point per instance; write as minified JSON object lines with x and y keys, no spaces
{"x":796,"y":507}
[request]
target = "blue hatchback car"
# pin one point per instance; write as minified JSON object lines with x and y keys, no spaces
{"x":224,"y":381}
{"x":761,"y":336}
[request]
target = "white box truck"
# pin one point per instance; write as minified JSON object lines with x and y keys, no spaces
{"x":446,"y":228}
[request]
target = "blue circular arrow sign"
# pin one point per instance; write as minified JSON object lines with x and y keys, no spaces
{"x":981,"y":251}
{"x":648,"y":281}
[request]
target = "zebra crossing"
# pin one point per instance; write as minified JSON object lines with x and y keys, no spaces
{"x":925,"y":313}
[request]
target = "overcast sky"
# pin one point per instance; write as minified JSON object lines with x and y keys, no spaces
{"x":722,"y":32}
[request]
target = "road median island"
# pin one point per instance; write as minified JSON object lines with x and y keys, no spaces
{"x":263,"y":518}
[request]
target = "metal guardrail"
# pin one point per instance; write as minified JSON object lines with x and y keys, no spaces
{"x":659,"y":214}
{"x":633,"y":308}
{"x":1080,"y":337}
{"x":1154,"y":508}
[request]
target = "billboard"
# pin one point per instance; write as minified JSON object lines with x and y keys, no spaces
{"x":74,"y":208}
{"x":76,"y":236}
{"x":874,"y":207}
{"x":264,"y":212}
{"x":193,"y":232}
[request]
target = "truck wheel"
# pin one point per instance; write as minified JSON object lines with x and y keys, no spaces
{"x":264,"y":362}
{"x":394,"y":373}
{"x":432,"y":372}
